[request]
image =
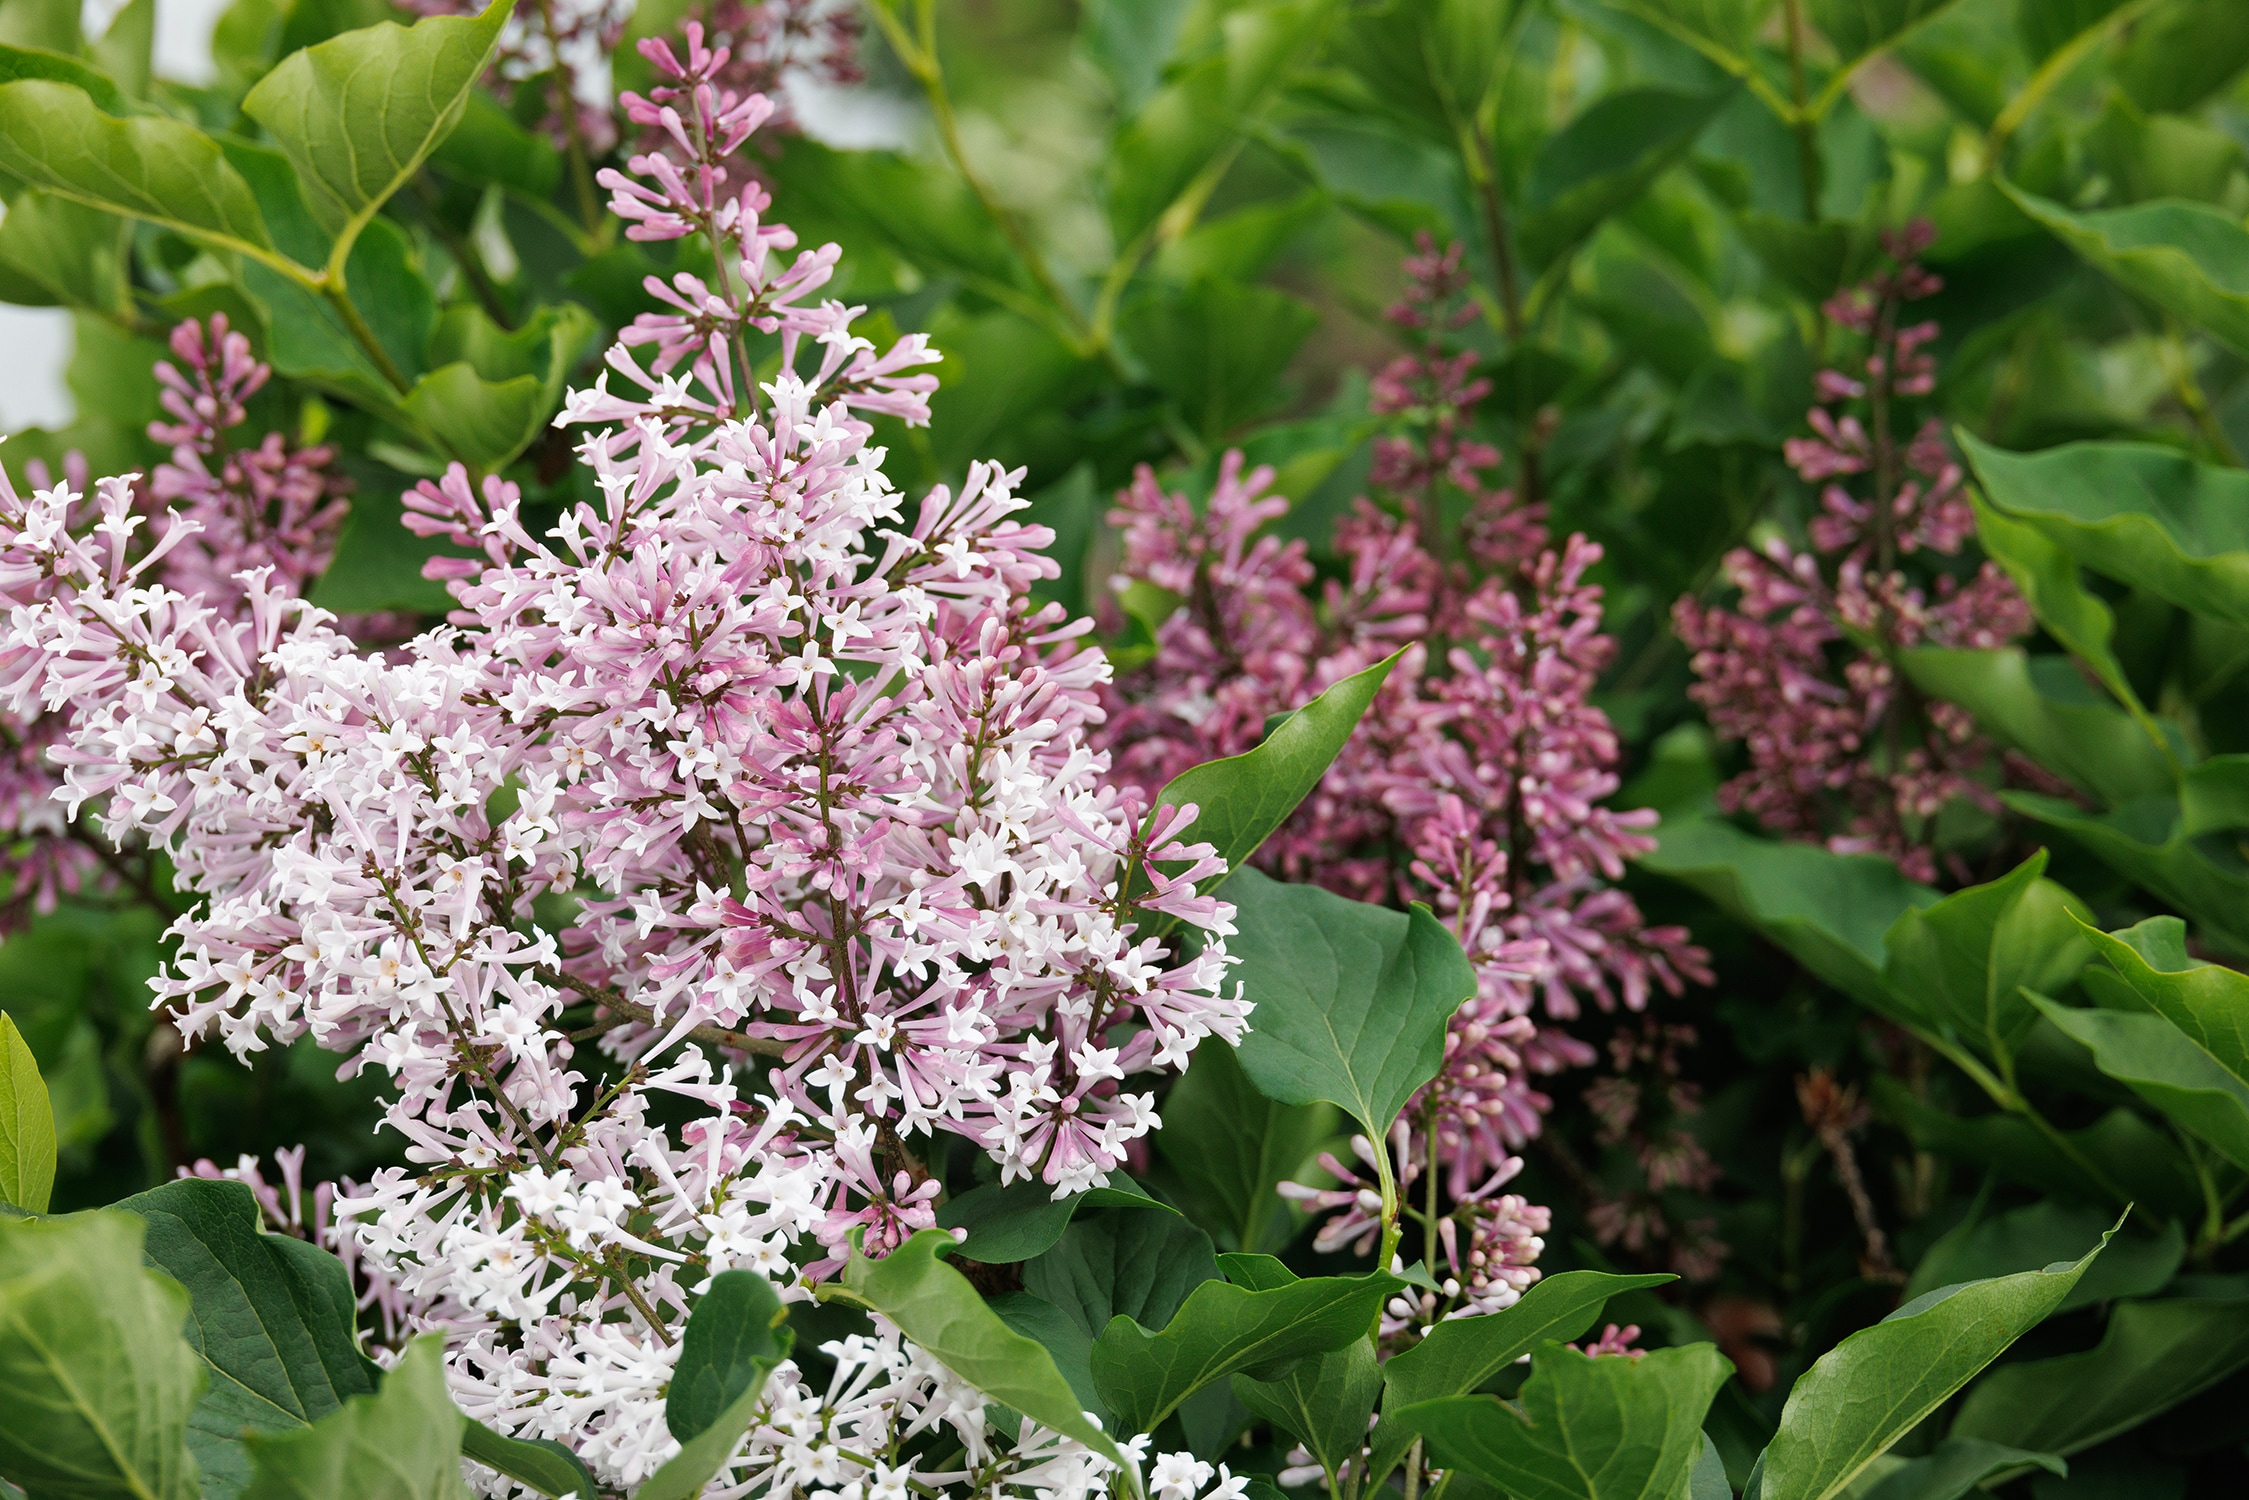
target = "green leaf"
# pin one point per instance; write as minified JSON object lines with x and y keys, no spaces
{"x":1829,"y":911}
{"x":2046,"y":575}
{"x":2184,"y":53}
{"x":1957,"y":1466}
{"x":1322,"y":1402}
{"x":1141,"y":1266}
{"x":1240,"y":800}
{"x":1960,"y":966}
{"x":1222,"y":1328}
{"x":1217,"y":348}
{"x":2042,"y":706}
{"x":489,"y":146}
{"x":2152,"y":1356}
{"x":1429,"y":63}
{"x":545,"y":1466}
{"x":27,"y":1125}
{"x":55,"y":137}
{"x":1185,"y":125}
{"x":2162,"y":1064}
{"x":1604,"y":159}
{"x":358,"y":114}
{"x":1460,"y":1354}
{"x":1023,"y":1219}
{"x":36,"y":62}
{"x":732,"y":1343}
{"x":2122,"y":1144}
{"x":1228,"y":1146}
{"x":307,"y":340}
{"x":2039,"y":1234}
{"x":1129,"y":41}
{"x":2148,"y":516}
{"x":1614,"y":1428}
{"x":127,"y":49}
{"x":1811,"y":260}
{"x":2209,"y":1003}
{"x":935,"y":1306}
{"x":95,"y":1381}
{"x":1860,"y":27}
{"x":401,"y":1443}
{"x":2151,"y":841}
{"x":2189,"y":259}
{"x":51,"y":24}
{"x":1724,"y":30}
{"x":1351,"y":1000}
{"x":1875,"y":1386}
{"x":272,"y":1317}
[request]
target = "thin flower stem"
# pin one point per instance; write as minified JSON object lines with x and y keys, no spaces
{"x":1801,"y":120}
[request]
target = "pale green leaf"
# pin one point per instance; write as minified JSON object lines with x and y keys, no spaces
{"x":27,"y":1125}
{"x":401,"y":1443}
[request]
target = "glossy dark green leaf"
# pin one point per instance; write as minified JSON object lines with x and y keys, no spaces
{"x":272,"y":1316}
{"x":359,"y":113}
{"x":1960,"y":966}
{"x":1228,"y":1146}
{"x":2039,"y":1234}
{"x":732,"y":1342}
{"x":935,"y":1306}
{"x":1460,"y":1354}
{"x":2164,"y":1066}
{"x":2189,"y":259}
{"x":1143,"y":1376}
{"x":401,"y":1443}
{"x":1138,"y":1265}
{"x":27,"y":1125}
{"x":2149,"y":516}
{"x":2042,"y":706}
{"x":1323,"y":1402}
{"x":55,"y":137}
{"x":1605,"y":158}
{"x":95,"y":1381}
{"x":1351,"y":1000}
{"x":1062,"y":1334}
{"x":1877,"y":1385}
{"x":2152,"y":1356}
{"x":1830,"y":911}
{"x":544,"y":1465}
{"x":1240,"y":800}
{"x":1956,"y":1467}
{"x":1613,"y":1428}
{"x":1016,"y":1222}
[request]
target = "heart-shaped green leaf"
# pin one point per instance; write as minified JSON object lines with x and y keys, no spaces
{"x":359,"y":113}
{"x":1613,"y":1428}
{"x":1351,"y":1000}
{"x":95,"y":1381}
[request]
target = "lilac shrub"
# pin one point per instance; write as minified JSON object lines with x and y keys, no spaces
{"x":749,"y":797}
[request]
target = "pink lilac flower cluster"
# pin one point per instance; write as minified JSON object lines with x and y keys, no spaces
{"x":733,"y":842}
{"x":271,"y":505}
{"x":1474,"y":782}
{"x":1802,"y":672}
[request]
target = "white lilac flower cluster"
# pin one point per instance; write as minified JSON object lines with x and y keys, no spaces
{"x":735,"y":839}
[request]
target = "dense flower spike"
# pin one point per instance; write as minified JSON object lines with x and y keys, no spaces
{"x":1841,"y":748}
{"x":1474,"y":782}
{"x":738,"y":838}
